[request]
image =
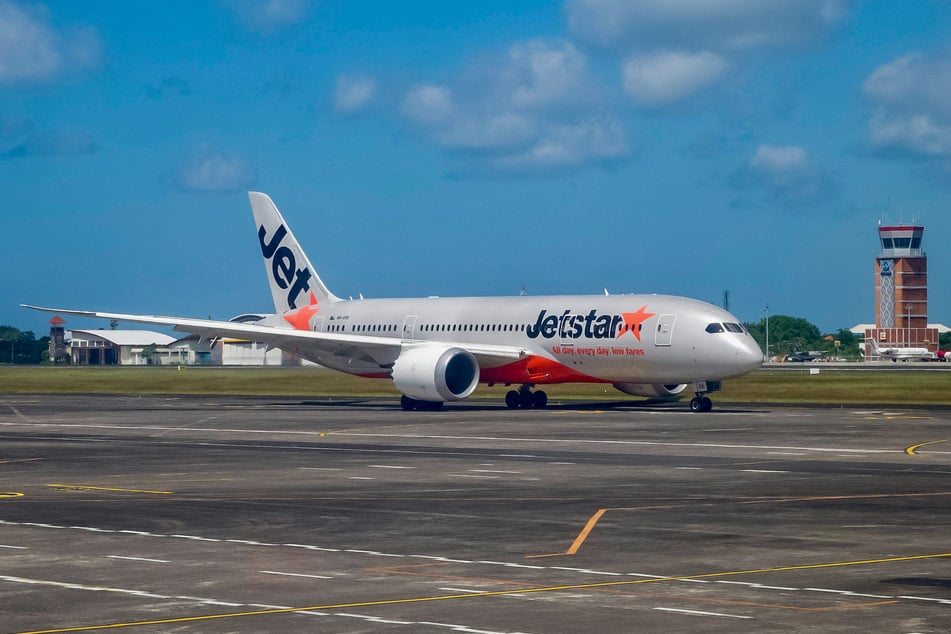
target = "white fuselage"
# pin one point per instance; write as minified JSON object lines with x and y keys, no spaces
{"x":566,"y":338}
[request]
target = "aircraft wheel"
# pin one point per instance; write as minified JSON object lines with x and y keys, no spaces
{"x":696,"y":404}
{"x":539,"y":399}
{"x":525,"y":400}
{"x":706,"y":404}
{"x":407,"y":403}
{"x":511,"y":399}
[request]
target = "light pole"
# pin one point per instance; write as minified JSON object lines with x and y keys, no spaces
{"x":766,"y":309}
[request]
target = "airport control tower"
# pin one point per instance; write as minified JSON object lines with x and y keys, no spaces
{"x":901,"y":292}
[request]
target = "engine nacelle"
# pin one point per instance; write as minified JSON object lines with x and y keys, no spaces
{"x":657,"y":390}
{"x":435,"y":373}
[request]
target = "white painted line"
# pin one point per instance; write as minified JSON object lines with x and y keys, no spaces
{"x":469,"y":475}
{"x":588,"y":572}
{"x":196,"y":538}
{"x":375,"y":553}
{"x":14,"y":547}
{"x":493,"y":471}
{"x":442,"y":559}
{"x":554,"y":441}
{"x":249,"y":542}
{"x":309,"y":547}
{"x":319,"y":469}
{"x":699,"y":613}
{"x":185,"y":597}
{"x":762,"y":471}
{"x":689,"y":468}
{"x":387,"y":466}
{"x":79,"y":586}
{"x":293,"y":574}
{"x":361,"y":478}
{"x":91,"y":529}
{"x":154,"y":561}
{"x":925,"y":599}
{"x":463,"y":590}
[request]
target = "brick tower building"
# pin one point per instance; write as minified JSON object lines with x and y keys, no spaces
{"x":901,"y":292}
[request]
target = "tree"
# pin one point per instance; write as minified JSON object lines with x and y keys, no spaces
{"x":9,"y":336}
{"x":786,"y":334}
{"x":944,"y":341}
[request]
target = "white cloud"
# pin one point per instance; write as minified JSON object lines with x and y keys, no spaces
{"x":788,"y":174}
{"x":912,"y":95}
{"x":667,"y":77}
{"x":209,"y":169}
{"x":703,"y":24}
{"x":428,"y":104}
{"x":353,"y":93}
{"x":539,"y":73}
{"x":529,"y":109}
{"x":270,"y":16}
{"x":32,"y":50}
{"x":570,"y":145}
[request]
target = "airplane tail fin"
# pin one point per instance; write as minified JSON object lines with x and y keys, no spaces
{"x":293,"y":279}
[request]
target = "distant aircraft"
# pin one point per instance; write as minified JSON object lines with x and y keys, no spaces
{"x":803,"y":356}
{"x":439,"y":349}
{"x":902,"y":354}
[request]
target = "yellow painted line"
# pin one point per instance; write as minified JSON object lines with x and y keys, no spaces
{"x":911,"y":450}
{"x":81,"y":487}
{"x":10,"y":494}
{"x":494,"y":593}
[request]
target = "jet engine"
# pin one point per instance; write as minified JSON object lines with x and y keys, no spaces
{"x":657,"y":390}
{"x":435,"y":373}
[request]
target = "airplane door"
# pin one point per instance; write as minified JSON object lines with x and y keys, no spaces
{"x":409,"y":327}
{"x":665,"y":330}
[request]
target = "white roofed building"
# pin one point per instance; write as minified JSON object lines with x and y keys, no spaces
{"x":118,"y":347}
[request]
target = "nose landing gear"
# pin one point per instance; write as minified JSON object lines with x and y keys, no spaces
{"x":701,"y":402}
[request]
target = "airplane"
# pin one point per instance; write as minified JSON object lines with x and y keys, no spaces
{"x":437,"y":349}
{"x":902,"y":354}
{"x":802,"y":356}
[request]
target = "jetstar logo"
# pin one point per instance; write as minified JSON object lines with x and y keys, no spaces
{"x":300,"y":318}
{"x":590,"y":325}
{"x":284,"y":269}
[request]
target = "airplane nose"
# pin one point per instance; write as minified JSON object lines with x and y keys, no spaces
{"x":749,"y":356}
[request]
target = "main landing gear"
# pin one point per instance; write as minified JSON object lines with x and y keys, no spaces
{"x":525,"y":398}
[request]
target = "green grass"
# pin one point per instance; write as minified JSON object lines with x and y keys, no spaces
{"x":829,"y":386}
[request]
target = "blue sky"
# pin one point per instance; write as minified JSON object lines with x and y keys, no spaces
{"x":450,"y":148}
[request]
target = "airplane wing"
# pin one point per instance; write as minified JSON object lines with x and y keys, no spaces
{"x":309,"y":344}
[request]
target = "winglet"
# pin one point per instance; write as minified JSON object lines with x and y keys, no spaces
{"x":292,"y":277}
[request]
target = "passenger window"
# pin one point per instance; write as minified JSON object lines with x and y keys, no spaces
{"x":714,"y":327}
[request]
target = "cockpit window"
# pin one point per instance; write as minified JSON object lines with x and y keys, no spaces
{"x":733,"y":327}
{"x":714,"y":327}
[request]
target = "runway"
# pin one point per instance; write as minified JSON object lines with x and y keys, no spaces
{"x":224,"y":514}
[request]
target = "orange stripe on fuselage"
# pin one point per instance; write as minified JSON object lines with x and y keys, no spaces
{"x":531,"y":369}
{"x":534,"y":369}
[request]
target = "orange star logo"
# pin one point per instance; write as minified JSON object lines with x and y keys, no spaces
{"x":633,"y":321}
{"x":300,"y":318}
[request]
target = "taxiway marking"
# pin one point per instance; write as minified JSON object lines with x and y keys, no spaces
{"x":451,"y":597}
{"x":82,"y":487}
{"x":912,"y":451}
